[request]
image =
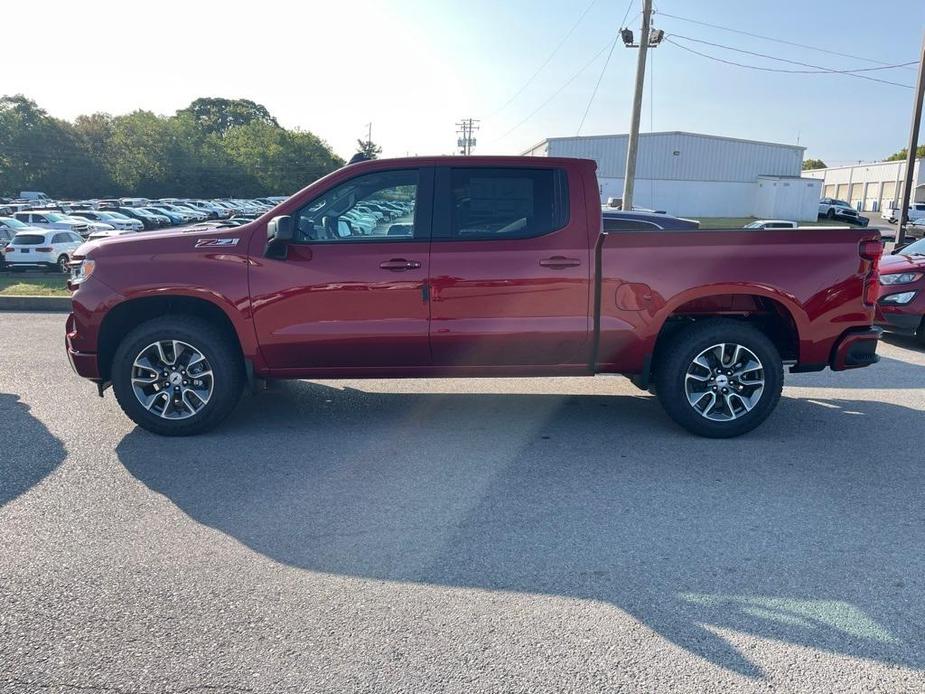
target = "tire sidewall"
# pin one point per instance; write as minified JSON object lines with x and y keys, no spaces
{"x":226,"y":380}
{"x":673,"y":369}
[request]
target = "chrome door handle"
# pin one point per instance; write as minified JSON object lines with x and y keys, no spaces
{"x":558,"y":262}
{"x":399,"y":265}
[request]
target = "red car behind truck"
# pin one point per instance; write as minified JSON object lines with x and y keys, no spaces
{"x":476,"y":266}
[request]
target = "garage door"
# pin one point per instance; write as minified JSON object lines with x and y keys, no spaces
{"x":887,"y":195}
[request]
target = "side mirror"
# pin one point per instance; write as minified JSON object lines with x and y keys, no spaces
{"x":279,"y":233}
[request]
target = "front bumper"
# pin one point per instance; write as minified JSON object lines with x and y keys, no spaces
{"x":84,"y":363}
{"x":901,"y":323}
{"x":856,"y":349}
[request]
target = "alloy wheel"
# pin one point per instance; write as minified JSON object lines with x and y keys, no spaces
{"x":724,"y":382}
{"x":172,"y":379}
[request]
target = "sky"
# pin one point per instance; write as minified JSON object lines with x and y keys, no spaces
{"x":414,"y":67}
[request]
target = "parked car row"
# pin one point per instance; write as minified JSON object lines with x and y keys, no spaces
{"x":37,"y":232}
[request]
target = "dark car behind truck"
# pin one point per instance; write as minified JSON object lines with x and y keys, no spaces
{"x":483,"y":266}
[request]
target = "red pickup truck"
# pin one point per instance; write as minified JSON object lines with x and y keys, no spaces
{"x":477,"y":266}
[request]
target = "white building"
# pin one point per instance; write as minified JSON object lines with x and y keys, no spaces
{"x":871,"y":187}
{"x":690,"y":174}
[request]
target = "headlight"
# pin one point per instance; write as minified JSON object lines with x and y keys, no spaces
{"x":898,"y":299}
{"x":81,"y":270}
{"x":900,"y":278}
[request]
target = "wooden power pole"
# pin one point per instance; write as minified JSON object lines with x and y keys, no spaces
{"x":913,"y":145}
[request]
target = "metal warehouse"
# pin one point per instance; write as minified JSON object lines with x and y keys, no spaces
{"x":700,"y":175}
{"x":871,"y":187}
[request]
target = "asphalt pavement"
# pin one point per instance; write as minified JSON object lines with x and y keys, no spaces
{"x":523,"y":535}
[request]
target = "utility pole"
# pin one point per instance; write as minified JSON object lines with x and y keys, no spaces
{"x":913,"y":145}
{"x":465,"y":135}
{"x":646,"y":40}
{"x":369,"y":132}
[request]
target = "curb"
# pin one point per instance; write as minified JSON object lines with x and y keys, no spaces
{"x":57,"y":304}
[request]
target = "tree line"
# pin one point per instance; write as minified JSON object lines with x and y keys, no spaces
{"x":211,"y":148}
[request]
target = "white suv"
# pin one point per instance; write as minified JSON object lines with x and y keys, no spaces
{"x":53,"y":220}
{"x":49,"y":249}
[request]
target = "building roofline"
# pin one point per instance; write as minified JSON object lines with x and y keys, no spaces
{"x":917,"y":160}
{"x":668,"y":132}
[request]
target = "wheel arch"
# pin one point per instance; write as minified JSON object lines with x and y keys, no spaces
{"x":779,"y":317}
{"x":129,"y":314}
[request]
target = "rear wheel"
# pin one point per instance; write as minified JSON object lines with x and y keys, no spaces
{"x":719,"y":378}
{"x":830,"y":214}
{"x":63,"y":264}
{"x":177,"y":375}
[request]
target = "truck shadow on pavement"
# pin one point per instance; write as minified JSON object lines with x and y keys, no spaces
{"x":30,"y":455}
{"x":804,"y":532}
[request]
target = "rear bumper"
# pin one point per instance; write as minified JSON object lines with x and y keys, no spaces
{"x":856,"y":348}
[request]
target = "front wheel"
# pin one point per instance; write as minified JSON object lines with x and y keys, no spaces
{"x":177,"y":375}
{"x":719,"y":378}
{"x":830,"y":214}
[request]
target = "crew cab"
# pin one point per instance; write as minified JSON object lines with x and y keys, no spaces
{"x":492,"y":266}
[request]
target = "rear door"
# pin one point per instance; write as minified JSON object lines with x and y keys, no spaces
{"x":510,"y":268}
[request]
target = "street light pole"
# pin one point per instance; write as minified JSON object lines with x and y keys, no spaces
{"x":913,"y":145}
{"x":633,"y":142}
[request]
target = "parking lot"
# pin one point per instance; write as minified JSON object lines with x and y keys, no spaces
{"x":460,"y":535}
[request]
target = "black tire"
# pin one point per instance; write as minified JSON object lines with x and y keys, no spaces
{"x":920,"y":333}
{"x":830,"y":214}
{"x":62,"y":264}
{"x":676,"y":357}
{"x":215,"y":344}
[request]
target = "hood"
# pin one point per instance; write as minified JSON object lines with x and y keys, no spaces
{"x":151,"y":244}
{"x":890,"y":264}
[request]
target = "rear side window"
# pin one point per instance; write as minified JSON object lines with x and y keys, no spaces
{"x":28,"y":239}
{"x":497,"y":203}
{"x":61,"y":238}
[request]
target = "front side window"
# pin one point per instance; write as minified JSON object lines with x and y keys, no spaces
{"x":374,"y":207}
{"x":507,"y":203}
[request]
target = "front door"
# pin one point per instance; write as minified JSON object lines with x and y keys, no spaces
{"x":352,"y":291}
{"x":510,"y":268}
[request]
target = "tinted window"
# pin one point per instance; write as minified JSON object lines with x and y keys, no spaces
{"x":507,"y":203}
{"x":611,"y":224}
{"x":60,"y":238}
{"x":28,"y":239}
{"x":375,"y":207}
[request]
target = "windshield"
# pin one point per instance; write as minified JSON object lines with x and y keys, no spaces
{"x":13,"y":223}
{"x":754,"y":225}
{"x":28,"y":239}
{"x":917,"y":248}
{"x":55,"y":217}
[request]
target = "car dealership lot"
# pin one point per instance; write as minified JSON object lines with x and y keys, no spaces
{"x":460,"y":535}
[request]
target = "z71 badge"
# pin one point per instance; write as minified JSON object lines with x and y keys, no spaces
{"x":211,"y":243}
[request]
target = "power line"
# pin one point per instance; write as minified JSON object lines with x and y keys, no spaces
{"x":816,"y":69}
{"x":598,"y":84}
{"x":772,"y":38}
{"x":556,"y":93}
{"x":628,"y":8}
{"x":545,"y":62}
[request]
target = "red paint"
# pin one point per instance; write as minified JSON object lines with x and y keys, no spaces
{"x":481,"y":308}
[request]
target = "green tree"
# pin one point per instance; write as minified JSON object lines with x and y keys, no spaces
{"x":215,"y":147}
{"x":903,"y":153}
{"x":811,"y":164}
{"x":368,"y":148}
{"x":216,"y":115}
{"x":38,"y":152}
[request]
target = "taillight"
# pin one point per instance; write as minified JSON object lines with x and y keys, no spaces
{"x":8,"y":249}
{"x":871,"y":250}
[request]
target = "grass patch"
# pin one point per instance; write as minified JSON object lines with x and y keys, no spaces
{"x":739,"y":222}
{"x":13,"y":284}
